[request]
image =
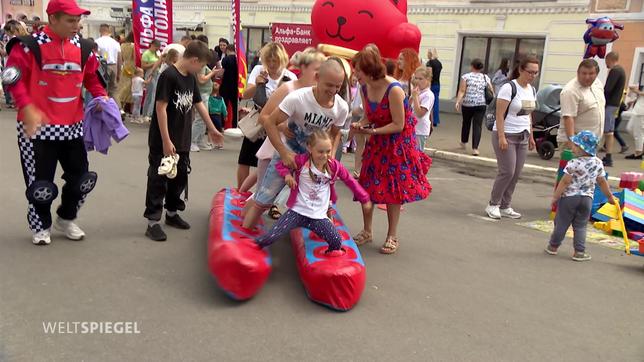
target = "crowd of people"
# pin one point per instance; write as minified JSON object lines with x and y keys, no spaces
{"x":306,"y":110}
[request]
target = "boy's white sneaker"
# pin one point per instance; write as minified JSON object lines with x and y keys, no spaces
{"x":510,"y":213}
{"x":69,"y":228}
{"x":194,"y":148}
{"x":493,"y":212}
{"x":41,"y":238}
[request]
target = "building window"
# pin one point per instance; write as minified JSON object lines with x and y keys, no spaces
{"x":611,"y":5}
{"x":254,"y":38}
{"x":492,"y":50}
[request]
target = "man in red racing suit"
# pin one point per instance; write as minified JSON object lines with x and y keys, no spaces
{"x":47,"y":91}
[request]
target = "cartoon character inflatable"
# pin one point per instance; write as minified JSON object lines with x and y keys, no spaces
{"x":601,"y":31}
{"x":353,"y":24}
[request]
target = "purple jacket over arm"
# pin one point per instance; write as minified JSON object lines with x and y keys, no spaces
{"x":100,"y":127}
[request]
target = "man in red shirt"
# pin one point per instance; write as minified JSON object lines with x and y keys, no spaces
{"x":45,"y":73}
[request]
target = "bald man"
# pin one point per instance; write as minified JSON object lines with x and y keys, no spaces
{"x":305,"y":111}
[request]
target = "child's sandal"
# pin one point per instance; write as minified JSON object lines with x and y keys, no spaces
{"x":363,"y":237}
{"x":390,"y":246}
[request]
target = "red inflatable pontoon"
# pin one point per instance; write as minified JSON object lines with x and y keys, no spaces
{"x":238,"y":265}
{"x":335,"y":281}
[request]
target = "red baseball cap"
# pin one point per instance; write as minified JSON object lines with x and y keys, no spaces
{"x":66,"y":6}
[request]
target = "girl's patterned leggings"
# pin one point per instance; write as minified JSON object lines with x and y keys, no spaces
{"x":324,"y":228}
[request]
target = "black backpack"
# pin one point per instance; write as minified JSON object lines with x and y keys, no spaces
{"x":490,"y":111}
{"x":86,"y":50}
{"x":102,"y":71}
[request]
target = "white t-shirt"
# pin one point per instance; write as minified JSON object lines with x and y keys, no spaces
{"x":520,"y":109}
{"x":313,"y":196}
{"x":178,"y":47}
{"x":426,"y":101}
{"x":137,"y":86}
{"x":272,"y":84}
{"x":584,"y":172}
{"x":306,"y":116}
{"x":267,"y":150}
{"x":475,"y":92}
{"x":108,"y":48}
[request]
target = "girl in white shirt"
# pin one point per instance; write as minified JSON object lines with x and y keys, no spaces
{"x":422,"y":101}
{"x":512,"y":136}
{"x":313,"y":192}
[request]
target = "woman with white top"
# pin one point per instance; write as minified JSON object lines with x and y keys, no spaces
{"x":471,"y":102}
{"x":512,"y":136}
{"x":265,"y":77}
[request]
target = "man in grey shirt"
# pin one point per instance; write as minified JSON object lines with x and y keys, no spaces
{"x":613,"y":92}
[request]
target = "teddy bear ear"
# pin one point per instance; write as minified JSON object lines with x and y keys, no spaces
{"x":401,"y":5}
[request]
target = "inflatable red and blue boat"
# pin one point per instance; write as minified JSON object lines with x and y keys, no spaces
{"x":237,"y":264}
{"x":334,"y":280}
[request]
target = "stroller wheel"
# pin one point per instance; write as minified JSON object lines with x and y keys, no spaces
{"x":546,"y":150}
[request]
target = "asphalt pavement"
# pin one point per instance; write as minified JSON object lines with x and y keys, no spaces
{"x":460,"y":288}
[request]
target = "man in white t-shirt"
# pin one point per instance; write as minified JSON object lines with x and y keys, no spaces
{"x":582,"y":104}
{"x":110,"y":50}
{"x":179,"y":47}
{"x":305,"y":111}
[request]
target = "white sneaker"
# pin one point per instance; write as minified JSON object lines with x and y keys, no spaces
{"x":69,"y":228}
{"x":194,"y":148}
{"x":493,"y":212}
{"x":510,"y":213}
{"x":41,"y":238}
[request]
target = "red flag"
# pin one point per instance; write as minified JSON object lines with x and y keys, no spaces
{"x":242,"y":64}
{"x":151,"y":20}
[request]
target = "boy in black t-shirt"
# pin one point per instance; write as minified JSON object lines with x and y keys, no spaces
{"x":170,"y":134}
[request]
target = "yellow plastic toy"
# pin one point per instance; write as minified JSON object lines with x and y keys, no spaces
{"x":616,"y":225}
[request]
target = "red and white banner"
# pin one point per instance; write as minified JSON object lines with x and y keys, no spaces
{"x":151,"y":20}
{"x":294,"y":37}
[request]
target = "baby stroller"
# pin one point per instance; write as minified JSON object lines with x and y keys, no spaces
{"x":546,"y":120}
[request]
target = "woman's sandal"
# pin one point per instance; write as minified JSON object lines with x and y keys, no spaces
{"x":356,"y":175}
{"x":390,"y":246}
{"x":363,"y":237}
{"x":274,"y":213}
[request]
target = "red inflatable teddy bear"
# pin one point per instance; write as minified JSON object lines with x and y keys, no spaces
{"x":353,"y":24}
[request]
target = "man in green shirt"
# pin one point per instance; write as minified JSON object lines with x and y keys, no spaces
{"x":150,"y":63}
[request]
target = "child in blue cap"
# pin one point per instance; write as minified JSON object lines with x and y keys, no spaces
{"x":575,"y":194}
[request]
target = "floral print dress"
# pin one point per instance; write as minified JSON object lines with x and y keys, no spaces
{"x":393,"y":170}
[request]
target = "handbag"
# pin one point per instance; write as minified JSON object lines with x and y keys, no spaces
{"x":489,"y":94}
{"x":250,"y":126}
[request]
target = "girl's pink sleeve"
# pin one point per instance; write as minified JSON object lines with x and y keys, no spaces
{"x":282,"y":170}
{"x":358,"y":191}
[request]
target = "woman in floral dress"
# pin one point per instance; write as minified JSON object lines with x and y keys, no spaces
{"x":393,"y":170}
